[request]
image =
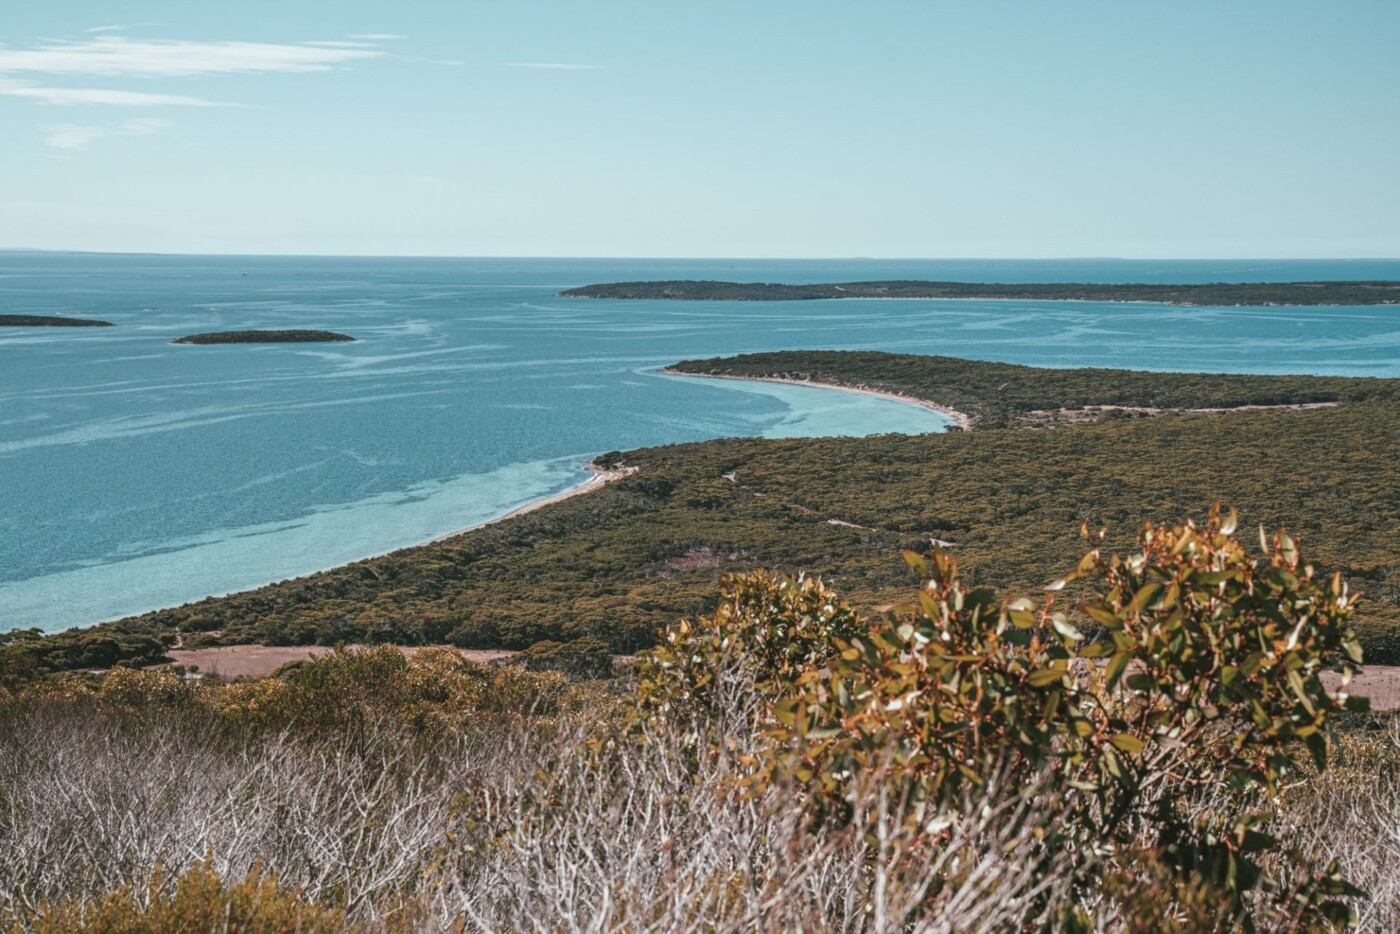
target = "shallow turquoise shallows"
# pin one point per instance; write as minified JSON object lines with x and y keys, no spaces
{"x":135,"y":474}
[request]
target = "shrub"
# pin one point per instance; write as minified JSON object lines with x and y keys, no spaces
{"x":581,"y":659}
{"x":200,"y":902}
{"x":128,"y":687}
{"x":1170,"y":730}
{"x":765,"y":632}
{"x":260,"y":704}
{"x":433,"y":690}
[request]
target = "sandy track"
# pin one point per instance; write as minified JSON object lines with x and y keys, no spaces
{"x":1380,"y":683}
{"x":259,"y":661}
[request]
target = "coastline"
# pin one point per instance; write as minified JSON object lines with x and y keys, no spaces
{"x":962,"y":419}
{"x":601,"y":478}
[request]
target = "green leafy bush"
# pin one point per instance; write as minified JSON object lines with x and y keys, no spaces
{"x":433,"y":690}
{"x":1170,"y":729}
{"x":579,"y":659}
{"x":766,"y":631}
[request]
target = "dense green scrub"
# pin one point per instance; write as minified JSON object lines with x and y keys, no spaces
{"x":262,"y":337}
{"x":1003,"y":394}
{"x":50,"y":321}
{"x":619,"y":562}
{"x":1218,"y":293}
{"x":622,"y":561}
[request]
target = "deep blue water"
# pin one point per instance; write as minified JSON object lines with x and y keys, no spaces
{"x":136,"y":474}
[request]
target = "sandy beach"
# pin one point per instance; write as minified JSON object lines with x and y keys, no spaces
{"x":600,"y":479}
{"x":963,"y":420}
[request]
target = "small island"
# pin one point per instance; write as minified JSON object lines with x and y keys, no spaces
{"x":263,"y":337}
{"x":1220,"y":293}
{"x":50,"y":321}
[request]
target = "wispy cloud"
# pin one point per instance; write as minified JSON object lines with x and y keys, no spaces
{"x":68,"y":97}
{"x":108,"y":55}
{"x":71,"y":137}
{"x":118,"y":56}
{"x":554,"y":66}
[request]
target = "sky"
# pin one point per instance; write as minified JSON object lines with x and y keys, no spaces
{"x":636,"y":128}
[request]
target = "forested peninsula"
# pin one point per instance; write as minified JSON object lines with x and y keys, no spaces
{"x":50,"y":321}
{"x":1219,"y":293}
{"x":1008,"y":497}
{"x":1000,"y":395}
{"x":263,"y":337}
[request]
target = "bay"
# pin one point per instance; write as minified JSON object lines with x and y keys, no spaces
{"x":136,"y":474}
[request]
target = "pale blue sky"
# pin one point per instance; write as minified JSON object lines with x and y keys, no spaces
{"x":767,"y":128}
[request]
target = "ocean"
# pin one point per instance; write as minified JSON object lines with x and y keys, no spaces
{"x":135,"y":474}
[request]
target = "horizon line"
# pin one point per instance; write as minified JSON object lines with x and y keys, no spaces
{"x":848,"y":258}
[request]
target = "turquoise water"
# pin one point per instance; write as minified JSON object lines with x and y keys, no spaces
{"x":135,"y":474}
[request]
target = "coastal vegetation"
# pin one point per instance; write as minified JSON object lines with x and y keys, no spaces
{"x":1146,"y":745}
{"x":262,"y":337}
{"x":777,"y":763}
{"x":996,"y":395}
{"x":50,"y":321}
{"x":1216,"y":293}
{"x":624,"y":561}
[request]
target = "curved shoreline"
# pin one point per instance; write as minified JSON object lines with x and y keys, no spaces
{"x":962,"y":419}
{"x":601,"y":478}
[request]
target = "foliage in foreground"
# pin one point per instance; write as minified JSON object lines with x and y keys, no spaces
{"x":958,"y":763}
{"x":1201,"y":686}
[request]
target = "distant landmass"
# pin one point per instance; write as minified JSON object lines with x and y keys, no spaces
{"x":50,"y":321}
{"x":1221,"y":293}
{"x":263,"y":337}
